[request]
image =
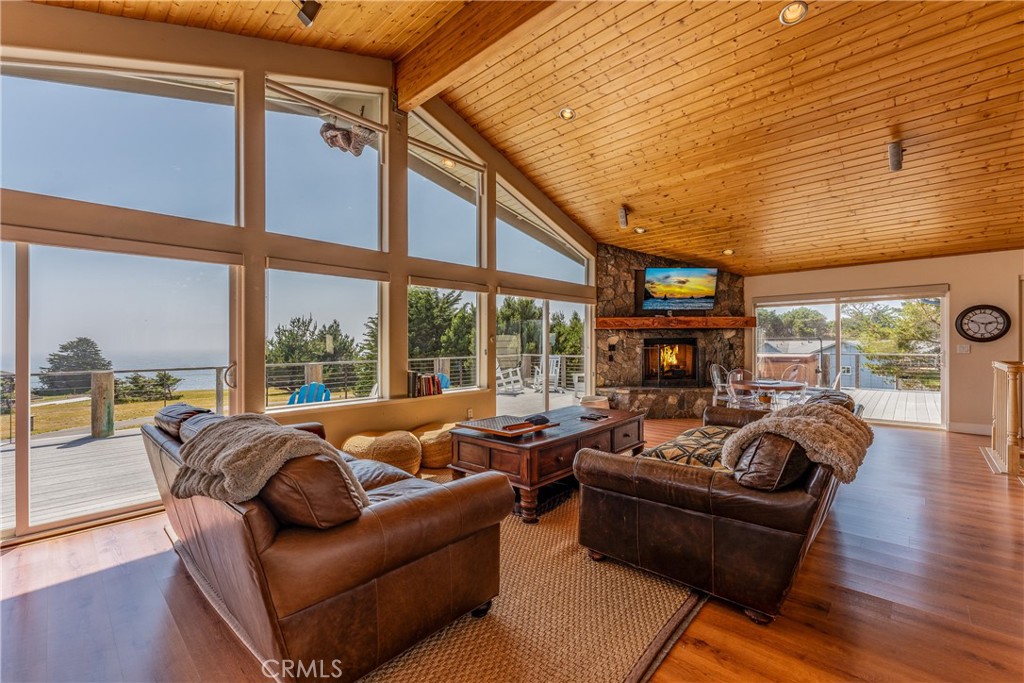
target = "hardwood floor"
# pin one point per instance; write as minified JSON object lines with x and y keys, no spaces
{"x":916,"y":576}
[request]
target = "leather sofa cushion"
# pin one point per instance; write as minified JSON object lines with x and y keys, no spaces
{"x":170,"y":418}
{"x":770,"y":463}
{"x":310,"y":492}
{"x":195,"y":424}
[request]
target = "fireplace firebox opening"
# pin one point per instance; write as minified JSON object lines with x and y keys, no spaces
{"x":672,"y":363}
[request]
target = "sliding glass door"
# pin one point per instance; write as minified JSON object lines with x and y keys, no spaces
{"x":541,"y":354}
{"x":885,"y":350}
{"x":114,"y":337}
{"x":891,"y":359}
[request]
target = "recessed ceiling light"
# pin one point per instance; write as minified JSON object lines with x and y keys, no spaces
{"x":447,"y":163}
{"x":639,"y":231}
{"x":567,"y":113}
{"x":728,"y":252}
{"x":793,"y":13}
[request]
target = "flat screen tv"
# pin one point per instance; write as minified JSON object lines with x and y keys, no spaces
{"x":676,"y":289}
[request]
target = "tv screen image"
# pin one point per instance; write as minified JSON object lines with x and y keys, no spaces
{"x":679,"y":289}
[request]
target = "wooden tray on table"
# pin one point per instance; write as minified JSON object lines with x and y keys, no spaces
{"x":496,"y":426}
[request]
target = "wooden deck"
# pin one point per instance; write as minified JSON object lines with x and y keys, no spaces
{"x":921,"y":407}
{"x":74,"y":476}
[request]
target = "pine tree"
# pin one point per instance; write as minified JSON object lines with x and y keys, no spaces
{"x":81,"y":353}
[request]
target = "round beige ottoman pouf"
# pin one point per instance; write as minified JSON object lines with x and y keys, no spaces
{"x":400,"y":449}
{"x":436,"y":443}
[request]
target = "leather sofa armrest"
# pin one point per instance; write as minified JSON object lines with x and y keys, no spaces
{"x":305,"y":566}
{"x":731,"y":417}
{"x":681,"y":486}
{"x":312,"y":427}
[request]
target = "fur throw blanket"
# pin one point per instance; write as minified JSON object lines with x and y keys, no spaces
{"x":830,"y":434}
{"x":233,"y":459}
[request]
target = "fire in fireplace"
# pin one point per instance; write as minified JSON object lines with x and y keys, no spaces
{"x":672,"y":363}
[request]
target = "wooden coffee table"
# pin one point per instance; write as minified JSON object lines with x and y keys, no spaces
{"x":535,"y":460}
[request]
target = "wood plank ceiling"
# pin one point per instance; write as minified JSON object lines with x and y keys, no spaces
{"x":721,"y":129}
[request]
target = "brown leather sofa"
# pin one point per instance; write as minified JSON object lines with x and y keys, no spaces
{"x":701,"y":526}
{"x":311,"y":601}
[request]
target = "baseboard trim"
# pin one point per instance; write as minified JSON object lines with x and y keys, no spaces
{"x":990,"y":459}
{"x":982,"y":429}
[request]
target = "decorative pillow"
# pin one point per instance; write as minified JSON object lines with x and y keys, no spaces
{"x":770,"y":463}
{"x":311,"y":492}
{"x":838,"y":398}
{"x":195,"y":424}
{"x":170,"y":418}
{"x":700,"y":447}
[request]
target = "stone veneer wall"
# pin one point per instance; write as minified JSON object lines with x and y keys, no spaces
{"x":618,"y":372}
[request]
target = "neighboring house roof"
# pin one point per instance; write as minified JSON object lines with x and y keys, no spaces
{"x":804,"y":347}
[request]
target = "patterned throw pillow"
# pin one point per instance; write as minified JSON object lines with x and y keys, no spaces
{"x":699,"y":447}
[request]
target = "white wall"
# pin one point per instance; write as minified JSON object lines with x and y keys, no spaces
{"x":989,"y":278}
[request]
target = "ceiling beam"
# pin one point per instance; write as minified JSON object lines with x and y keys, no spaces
{"x":464,"y":43}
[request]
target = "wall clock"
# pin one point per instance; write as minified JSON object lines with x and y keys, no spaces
{"x":982,"y":323}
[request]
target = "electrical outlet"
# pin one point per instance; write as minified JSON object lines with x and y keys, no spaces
{"x":469,"y":413}
{"x":963,"y":348}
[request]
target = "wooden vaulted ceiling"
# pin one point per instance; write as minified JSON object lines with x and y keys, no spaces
{"x":718,"y":127}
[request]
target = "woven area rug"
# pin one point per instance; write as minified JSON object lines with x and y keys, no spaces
{"x":560,"y":617}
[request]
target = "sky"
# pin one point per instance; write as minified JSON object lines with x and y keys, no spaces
{"x":176,"y":157}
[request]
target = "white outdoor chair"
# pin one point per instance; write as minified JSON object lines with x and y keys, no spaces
{"x":554,"y":375}
{"x":508,"y":382}
{"x":720,"y":381}
{"x":794,"y":373}
{"x":740,"y":397}
{"x":579,"y":385}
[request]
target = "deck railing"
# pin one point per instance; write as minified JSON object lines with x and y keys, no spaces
{"x":898,"y":371}
{"x":103,"y":400}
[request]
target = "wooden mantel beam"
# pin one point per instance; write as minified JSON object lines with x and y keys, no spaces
{"x":465,"y":42}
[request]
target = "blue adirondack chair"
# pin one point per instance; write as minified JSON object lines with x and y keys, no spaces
{"x":445,"y":380}
{"x":314,"y":392}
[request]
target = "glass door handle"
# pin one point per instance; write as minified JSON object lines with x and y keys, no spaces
{"x":229,"y":375}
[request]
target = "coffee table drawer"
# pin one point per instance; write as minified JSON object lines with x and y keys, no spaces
{"x":555,"y":459}
{"x":602,"y":441}
{"x":625,"y":436}
{"x":472,"y":454}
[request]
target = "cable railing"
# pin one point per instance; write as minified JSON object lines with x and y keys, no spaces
{"x":63,"y":401}
{"x":346,"y":380}
{"x":892,"y":371}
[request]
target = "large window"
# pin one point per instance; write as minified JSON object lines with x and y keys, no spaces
{"x":157,"y":143}
{"x":322,"y":338}
{"x":443,"y":192}
{"x":527,"y":244}
{"x":323,"y":170}
{"x":443,"y":335}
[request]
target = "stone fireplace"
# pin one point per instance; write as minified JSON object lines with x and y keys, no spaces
{"x":671,"y":362}
{"x":681,"y":389}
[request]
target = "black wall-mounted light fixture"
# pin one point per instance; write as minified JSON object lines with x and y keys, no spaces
{"x":307,"y":11}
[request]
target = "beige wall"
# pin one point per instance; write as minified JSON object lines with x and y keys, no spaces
{"x":48,"y":33}
{"x":990,"y":278}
